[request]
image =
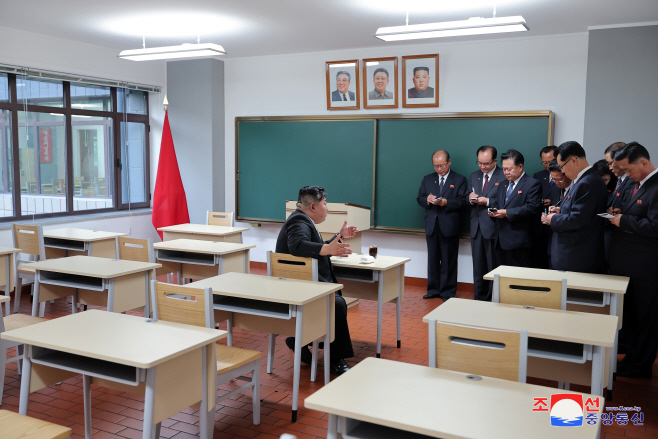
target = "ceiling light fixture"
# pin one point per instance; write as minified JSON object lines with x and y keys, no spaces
{"x":472,"y":26}
{"x":173,"y":52}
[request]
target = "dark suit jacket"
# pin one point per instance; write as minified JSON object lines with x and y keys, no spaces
{"x":299,"y":237}
{"x":544,"y":177}
{"x":617,"y":197}
{"x":522,"y":207}
{"x":554,"y":196}
{"x":633,"y":249}
{"x":454,"y":191}
{"x":479,"y":215}
{"x":337,"y":96}
{"x":577,"y":230}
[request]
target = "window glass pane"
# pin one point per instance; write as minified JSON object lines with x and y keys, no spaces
{"x":133,"y":162}
{"x":135,"y":101}
{"x":42,"y":161}
{"x":6,"y":166}
{"x":90,"y":97}
{"x":92,"y":162}
{"x":4,"y":88}
{"x":39,"y":91}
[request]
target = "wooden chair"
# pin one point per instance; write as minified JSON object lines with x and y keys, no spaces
{"x":140,"y":250}
{"x":8,"y":323}
{"x":528,"y":292}
{"x":30,"y":240}
{"x":479,"y":351}
{"x":77,"y":185}
{"x":293,"y":267}
{"x":232,"y":363}
{"x":48,"y":189}
{"x":15,"y":426}
{"x":60,"y":185}
{"x":220,"y":219}
{"x":89,"y":192}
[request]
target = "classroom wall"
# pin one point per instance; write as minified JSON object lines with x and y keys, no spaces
{"x":527,"y":73}
{"x":622,"y":87}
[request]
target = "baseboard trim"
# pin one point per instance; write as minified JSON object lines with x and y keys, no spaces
{"x":410,"y":281}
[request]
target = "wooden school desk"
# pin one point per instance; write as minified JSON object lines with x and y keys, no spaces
{"x":300,"y":309}
{"x":383,"y":281}
{"x":565,"y":346}
{"x":71,"y":241}
{"x":421,"y":402}
{"x":203,"y":232}
{"x":7,"y":274}
{"x":586,"y":292}
{"x":174,"y":364}
{"x":119,"y":285}
{"x":201,"y":259}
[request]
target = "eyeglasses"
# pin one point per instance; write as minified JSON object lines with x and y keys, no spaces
{"x":546,"y":163}
{"x":609,"y":163}
{"x":565,"y":164}
{"x":441,"y":166}
{"x":479,"y":163}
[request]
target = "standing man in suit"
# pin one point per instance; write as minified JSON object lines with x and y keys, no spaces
{"x":484,"y":237}
{"x":343,"y":84}
{"x":517,"y":206}
{"x":442,"y":194}
{"x":617,"y":196}
{"x":577,"y":243}
{"x":633,"y":254}
{"x":558,"y":192}
{"x":300,"y":237}
{"x":546,"y":154}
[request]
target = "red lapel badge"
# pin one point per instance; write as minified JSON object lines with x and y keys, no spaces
{"x":452,"y":186}
{"x":617,"y":193}
{"x":496,"y":184}
{"x":520,"y":192}
{"x":639,"y":201}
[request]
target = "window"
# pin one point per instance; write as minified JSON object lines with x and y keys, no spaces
{"x":77,"y":151}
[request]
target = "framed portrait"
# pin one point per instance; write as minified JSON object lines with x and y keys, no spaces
{"x":420,"y":81}
{"x":342,"y":85}
{"x":380,"y":82}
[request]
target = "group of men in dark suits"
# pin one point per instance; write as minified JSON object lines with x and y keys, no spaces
{"x":509,"y":228}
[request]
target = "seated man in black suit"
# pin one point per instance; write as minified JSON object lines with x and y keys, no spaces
{"x":577,"y":243}
{"x":633,"y":254}
{"x":517,"y":209}
{"x":300,"y":237}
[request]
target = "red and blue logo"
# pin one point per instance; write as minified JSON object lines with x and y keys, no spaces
{"x":566,"y":410}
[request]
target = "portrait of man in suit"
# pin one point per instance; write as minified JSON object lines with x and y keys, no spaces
{"x":380,"y":81}
{"x":342,"y":92}
{"x":421,"y":80}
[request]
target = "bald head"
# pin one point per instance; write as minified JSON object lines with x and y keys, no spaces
{"x":441,"y":162}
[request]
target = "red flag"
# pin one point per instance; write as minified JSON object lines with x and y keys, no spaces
{"x":169,"y":201}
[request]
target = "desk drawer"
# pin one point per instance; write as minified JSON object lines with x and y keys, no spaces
{"x":253,"y":307}
{"x":72,"y":280}
{"x":186,"y":257}
{"x":65,"y":244}
{"x":356,"y":274}
{"x":588,"y":298}
{"x":559,"y":350}
{"x":354,"y":429}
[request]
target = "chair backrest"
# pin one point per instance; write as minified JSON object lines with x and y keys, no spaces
{"x":131,"y":249}
{"x":195,"y":309}
{"x":88,"y":192}
{"x":60,"y":184}
{"x":29,"y":239}
{"x":220,"y":219}
{"x":550,"y":294}
{"x":47,"y":189}
{"x":479,"y":351}
{"x":293,"y":267}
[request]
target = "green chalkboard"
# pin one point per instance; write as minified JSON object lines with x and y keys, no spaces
{"x":404,"y":149}
{"x":276,"y":158}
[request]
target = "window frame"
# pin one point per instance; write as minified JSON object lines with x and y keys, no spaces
{"x":14,"y":106}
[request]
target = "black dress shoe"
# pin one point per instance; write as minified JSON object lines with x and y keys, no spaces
{"x":338,"y":367}
{"x":431,"y":296}
{"x":306,"y":356}
{"x":626,"y":372}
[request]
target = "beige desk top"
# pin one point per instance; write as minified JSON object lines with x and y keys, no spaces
{"x":4,"y":299}
{"x":208,"y":247}
{"x":266,"y":288}
{"x":551,"y":324}
{"x":7,"y":250}
{"x":74,"y":234}
{"x":580,"y":281}
{"x":441,"y":403}
{"x":120,"y":338}
{"x":203,"y":229}
{"x":381,"y":262}
{"x":92,"y":266}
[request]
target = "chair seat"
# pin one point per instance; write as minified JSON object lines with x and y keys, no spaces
{"x":15,"y":321}
{"x":15,"y":426}
{"x":229,"y":358}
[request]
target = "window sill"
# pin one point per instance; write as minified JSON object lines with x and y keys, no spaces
{"x":80,"y":218}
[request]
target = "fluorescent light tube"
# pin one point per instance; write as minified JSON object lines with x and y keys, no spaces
{"x":172,"y":52}
{"x":472,"y":26}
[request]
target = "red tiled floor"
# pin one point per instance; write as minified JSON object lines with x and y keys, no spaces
{"x":118,"y":415}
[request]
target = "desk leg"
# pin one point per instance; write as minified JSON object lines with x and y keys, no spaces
{"x":332,"y":428}
{"x":398,"y":305}
{"x":380,"y":309}
{"x":147,"y":308}
{"x":327,"y":340}
{"x":149,"y":402}
{"x":432,"y":342}
{"x":86,"y":394}
{"x":25,"y":380}
{"x":597,"y":370}
{"x":612,"y":364}
{"x":35,"y":299}
{"x":270,"y":351}
{"x":8,"y":283}
{"x":614,"y":311}
{"x":314,"y":360}
{"x":298,"y":359}
{"x":207,"y":418}
{"x":110,"y":296}
{"x":229,"y":329}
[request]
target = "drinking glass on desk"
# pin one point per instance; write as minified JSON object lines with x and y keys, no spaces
{"x":372,"y":251}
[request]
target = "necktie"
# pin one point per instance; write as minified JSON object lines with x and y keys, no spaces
{"x":441,"y":185}
{"x":344,"y":97}
{"x":562,"y":192}
{"x":618,"y":184}
{"x":637,"y":186}
{"x":550,"y":183}
{"x":509,"y":191}
{"x":486,"y":182}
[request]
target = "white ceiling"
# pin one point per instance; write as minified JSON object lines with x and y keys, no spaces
{"x":262,"y":27}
